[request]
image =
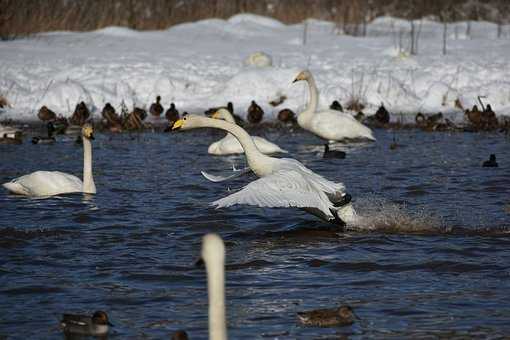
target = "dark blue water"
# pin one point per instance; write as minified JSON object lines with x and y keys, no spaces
{"x":432,"y":257}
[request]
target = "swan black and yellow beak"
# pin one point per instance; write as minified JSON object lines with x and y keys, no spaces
{"x":216,"y":115}
{"x":295,"y":80}
{"x":91,"y":136}
{"x":177,"y":124}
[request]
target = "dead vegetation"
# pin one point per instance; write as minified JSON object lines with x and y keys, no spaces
{"x":23,"y":17}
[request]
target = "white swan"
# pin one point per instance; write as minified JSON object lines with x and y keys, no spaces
{"x":230,"y":145}
{"x":329,"y":124}
{"x":283,"y":182}
{"x":213,"y":254}
{"x":49,"y":183}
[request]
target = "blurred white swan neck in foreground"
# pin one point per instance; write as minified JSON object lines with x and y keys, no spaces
{"x":213,"y":254}
{"x":49,"y":183}
{"x":329,"y":124}
{"x":230,"y":145}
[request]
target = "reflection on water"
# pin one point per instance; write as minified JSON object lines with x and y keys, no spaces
{"x":428,"y":259}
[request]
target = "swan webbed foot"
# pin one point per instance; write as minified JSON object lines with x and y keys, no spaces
{"x":337,"y":220}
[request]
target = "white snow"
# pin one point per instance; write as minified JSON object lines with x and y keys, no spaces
{"x":203,"y":64}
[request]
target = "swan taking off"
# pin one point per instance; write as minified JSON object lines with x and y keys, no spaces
{"x":329,"y":124}
{"x":230,"y":145}
{"x":49,"y":183}
{"x":213,"y":254}
{"x":283,"y":182}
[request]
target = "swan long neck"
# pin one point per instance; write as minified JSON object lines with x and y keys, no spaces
{"x":89,"y":186}
{"x":257,"y":161}
{"x":313,"y":102}
{"x":216,"y":293}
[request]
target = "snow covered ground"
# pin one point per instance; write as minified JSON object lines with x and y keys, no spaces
{"x":202,"y":64}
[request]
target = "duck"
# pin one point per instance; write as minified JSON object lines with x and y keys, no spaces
{"x":286,"y":116}
{"x":50,"y":183}
{"x":329,"y":124}
{"x":213,"y":255}
{"x":96,"y":325}
{"x":5,"y":139}
{"x":255,"y":113}
{"x":282,"y":182}
{"x":332,"y":153}
{"x":335,"y":105}
{"x":10,"y":132}
{"x":172,"y":114}
{"x":80,"y":115}
{"x":180,"y":335}
{"x":229,"y":145}
{"x":134,"y":121}
{"x":341,"y":316}
{"x":491,"y":163}
{"x":46,"y":114}
{"x":50,"y":139}
{"x":111,"y":120}
{"x":156,"y":109}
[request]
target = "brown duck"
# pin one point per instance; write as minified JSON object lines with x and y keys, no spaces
{"x":255,"y":113}
{"x":156,"y":108}
{"x":172,"y":114}
{"x":81,"y":114}
{"x":111,"y":119}
{"x":46,"y":114}
{"x":342,"y":316}
{"x":287,"y":116}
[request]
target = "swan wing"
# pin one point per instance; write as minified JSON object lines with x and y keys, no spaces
{"x":334,"y":125}
{"x":284,"y":188}
{"x":216,"y":178}
{"x":45,"y":183}
{"x":266,"y":146}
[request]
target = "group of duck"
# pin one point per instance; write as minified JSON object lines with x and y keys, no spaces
{"x":282,"y":182}
{"x":213,"y":256}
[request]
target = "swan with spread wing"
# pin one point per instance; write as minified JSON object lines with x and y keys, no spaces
{"x":283,"y":182}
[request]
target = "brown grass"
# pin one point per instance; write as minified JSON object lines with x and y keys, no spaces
{"x":23,"y":17}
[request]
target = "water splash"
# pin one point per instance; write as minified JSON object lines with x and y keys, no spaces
{"x":378,"y":214}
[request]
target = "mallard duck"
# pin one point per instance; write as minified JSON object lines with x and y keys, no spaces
{"x":96,"y":325}
{"x":172,"y":114}
{"x":49,"y":139}
{"x":111,"y":120}
{"x":46,"y":114}
{"x":156,"y":109}
{"x":491,"y":163}
{"x":81,"y":114}
{"x":5,"y":139}
{"x":335,"y":105}
{"x":134,"y":120}
{"x":287,"y":116}
{"x":342,"y":316}
{"x":255,"y":113}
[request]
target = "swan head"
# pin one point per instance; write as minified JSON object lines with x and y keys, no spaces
{"x":191,"y":121}
{"x":224,"y":114}
{"x":87,"y":131}
{"x":213,"y":250}
{"x":303,"y":75}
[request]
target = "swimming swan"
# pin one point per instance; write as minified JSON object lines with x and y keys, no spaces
{"x":329,"y":124}
{"x":230,"y":145}
{"x":49,"y":183}
{"x":283,"y":182}
{"x":213,"y":254}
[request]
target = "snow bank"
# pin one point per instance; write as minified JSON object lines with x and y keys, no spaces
{"x":203,"y":64}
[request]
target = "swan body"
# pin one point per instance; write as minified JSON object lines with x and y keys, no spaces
{"x":230,"y":145}
{"x":213,"y":254}
{"x":50,"y":183}
{"x":329,"y":124}
{"x":283,"y":182}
